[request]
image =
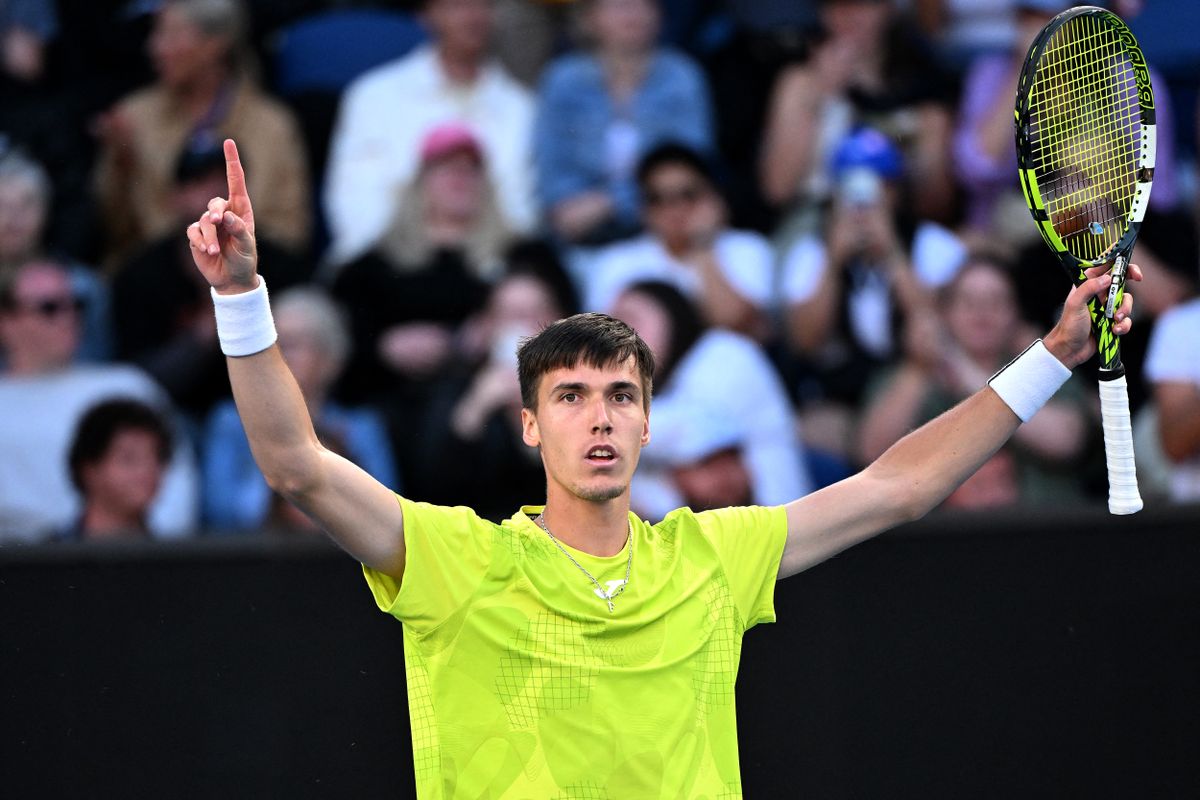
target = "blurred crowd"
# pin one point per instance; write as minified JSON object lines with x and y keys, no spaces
{"x":807,"y":208}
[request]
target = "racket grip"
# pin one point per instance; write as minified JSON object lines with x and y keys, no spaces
{"x":1123,"y":496}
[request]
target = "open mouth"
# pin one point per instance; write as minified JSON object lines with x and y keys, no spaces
{"x":601,"y":455}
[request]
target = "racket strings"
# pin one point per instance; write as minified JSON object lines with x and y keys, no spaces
{"x":1085,"y":134}
{"x":1079,"y":110}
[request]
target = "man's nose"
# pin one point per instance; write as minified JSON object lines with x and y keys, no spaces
{"x":601,"y":423}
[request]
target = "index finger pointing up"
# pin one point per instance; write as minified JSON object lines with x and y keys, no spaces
{"x":238,"y":197}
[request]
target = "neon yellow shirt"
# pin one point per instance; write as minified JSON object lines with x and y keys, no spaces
{"x":521,"y":684}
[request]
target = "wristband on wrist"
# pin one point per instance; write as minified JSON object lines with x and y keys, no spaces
{"x":1030,"y":380}
{"x":244,"y":322}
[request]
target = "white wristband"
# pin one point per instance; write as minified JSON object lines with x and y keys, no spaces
{"x":1029,"y":380}
{"x":244,"y":322}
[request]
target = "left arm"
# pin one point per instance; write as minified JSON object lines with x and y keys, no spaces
{"x":924,"y":467}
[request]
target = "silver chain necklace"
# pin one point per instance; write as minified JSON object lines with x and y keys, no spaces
{"x":614,"y":587}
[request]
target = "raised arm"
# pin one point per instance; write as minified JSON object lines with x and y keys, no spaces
{"x":361,"y":514}
{"x":924,"y":467}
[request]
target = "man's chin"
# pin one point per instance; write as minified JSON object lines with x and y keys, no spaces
{"x":600,"y":494}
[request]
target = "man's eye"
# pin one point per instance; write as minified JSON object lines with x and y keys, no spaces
{"x":570,"y":397}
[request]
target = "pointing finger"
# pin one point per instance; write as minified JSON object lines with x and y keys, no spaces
{"x":234,"y":174}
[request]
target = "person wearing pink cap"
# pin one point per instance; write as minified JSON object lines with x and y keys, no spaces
{"x":430,"y":269}
{"x":386,"y":113}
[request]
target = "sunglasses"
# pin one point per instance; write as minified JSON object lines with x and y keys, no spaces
{"x":52,"y":307}
{"x":688,"y":195}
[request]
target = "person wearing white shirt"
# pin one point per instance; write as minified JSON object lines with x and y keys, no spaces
{"x":385,"y":113}
{"x":715,"y":393}
{"x":728,"y":274}
{"x":43,"y":396}
{"x":1173,"y":367}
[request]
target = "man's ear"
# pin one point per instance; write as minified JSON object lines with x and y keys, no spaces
{"x":646,"y":429}
{"x":529,"y":428}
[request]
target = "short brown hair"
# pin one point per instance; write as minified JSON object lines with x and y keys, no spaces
{"x":101,"y":424}
{"x":596,"y":340}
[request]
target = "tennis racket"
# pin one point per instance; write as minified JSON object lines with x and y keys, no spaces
{"x":1085,"y":149}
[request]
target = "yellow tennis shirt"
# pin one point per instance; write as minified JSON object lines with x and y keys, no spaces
{"x":521,"y":684}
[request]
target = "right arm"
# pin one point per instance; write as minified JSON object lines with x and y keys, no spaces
{"x":360,"y":513}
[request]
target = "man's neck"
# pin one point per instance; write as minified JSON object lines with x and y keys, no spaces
{"x":460,"y":67}
{"x":198,"y":95}
{"x":625,"y":71}
{"x":26,"y":366}
{"x":101,"y":522}
{"x":598,"y":528}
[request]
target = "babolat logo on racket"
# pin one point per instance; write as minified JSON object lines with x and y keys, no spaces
{"x":1141,"y":72}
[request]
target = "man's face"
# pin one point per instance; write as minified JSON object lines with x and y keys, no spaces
{"x":672,"y":196}
{"x":591,"y":425}
{"x":41,"y":330}
{"x":22,"y":218}
{"x":180,"y":51}
{"x":463,"y":27}
{"x":127,"y":477}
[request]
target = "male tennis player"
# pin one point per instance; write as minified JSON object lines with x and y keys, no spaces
{"x":575,"y":650}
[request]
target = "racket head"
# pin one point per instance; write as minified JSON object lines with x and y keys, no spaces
{"x":1086,"y":137}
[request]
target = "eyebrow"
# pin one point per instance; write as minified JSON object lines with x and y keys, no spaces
{"x":615,"y":386}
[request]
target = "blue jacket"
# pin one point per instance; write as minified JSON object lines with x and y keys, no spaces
{"x":575,"y":110}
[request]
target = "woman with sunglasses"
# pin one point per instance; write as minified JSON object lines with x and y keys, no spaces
{"x":729,"y":274}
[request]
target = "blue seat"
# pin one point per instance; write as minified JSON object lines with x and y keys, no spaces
{"x":326,"y":51}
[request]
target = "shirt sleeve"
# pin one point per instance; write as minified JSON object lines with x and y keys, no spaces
{"x":748,"y":264}
{"x":802,"y":269}
{"x":447,"y":552}
{"x":749,"y":541}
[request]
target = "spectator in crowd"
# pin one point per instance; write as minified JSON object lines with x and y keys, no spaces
{"x":964,"y":30}
{"x":205,"y":91}
{"x":26,"y":28}
{"x":45,"y":396}
{"x":724,"y":429}
{"x":1173,"y":370}
{"x":729,"y":274}
{"x":25,"y":199}
{"x":985,"y":159}
{"x":976,"y":330}
{"x":868,"y":67}
{"x":429,"y":272}
{"x":848,"y":290}
{"x":599,"y":110}
{"x":475,"y":412}
{"x":529,"y":33}
{"x":387,"y":113}
{"x":162,"y":312}
{"x":315,"y":341}
{"x":117,"y":461}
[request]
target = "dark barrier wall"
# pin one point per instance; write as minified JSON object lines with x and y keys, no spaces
{"x":968,"y":656}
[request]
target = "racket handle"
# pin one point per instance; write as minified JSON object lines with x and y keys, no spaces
{"x":1123,"y":496}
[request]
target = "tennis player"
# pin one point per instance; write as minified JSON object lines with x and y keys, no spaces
{"x":575,"y":650}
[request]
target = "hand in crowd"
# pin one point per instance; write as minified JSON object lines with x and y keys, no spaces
{"x":494,"y":387}
{"x":577,"y":215}
{"x":23,"y":54}
{"x":707,"y":220}
{"x":416,"y":348}
{"x":835,"y":62}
